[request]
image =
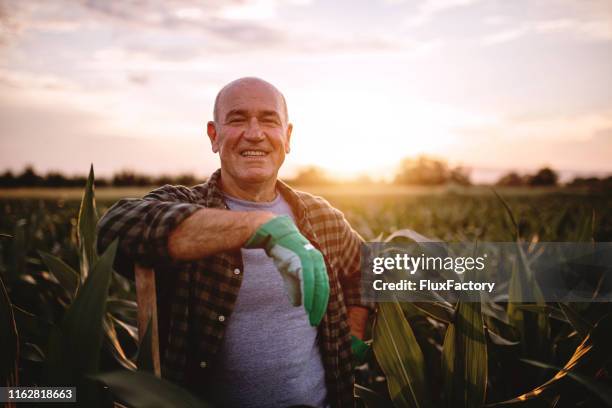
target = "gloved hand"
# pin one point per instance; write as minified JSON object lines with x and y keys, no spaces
{"x":300,"y":264}
{"x":359,"y":348}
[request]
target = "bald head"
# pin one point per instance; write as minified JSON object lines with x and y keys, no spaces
{"x":246,"y":85}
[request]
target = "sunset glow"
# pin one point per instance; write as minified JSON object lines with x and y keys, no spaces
{"x":477,"y":83}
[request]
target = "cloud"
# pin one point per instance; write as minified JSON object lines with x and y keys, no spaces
{"x":591,"y":29}
{"x":8,"y":25}
{"x":504,"y":36}
{"x":574,"y":143}
{"x":199,"y":29}
{"x":177,"y":13}
{"x":550,"y":128}
{"x":22,"y":80}
{"x":428,"y":9}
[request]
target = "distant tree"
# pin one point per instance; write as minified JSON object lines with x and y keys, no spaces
{"x":511,"y":179}
{"x":422,"y":171}
{"x":363,"y":180}
{"x":309,"y":176}
{"x":130,"y":178}
{"x":429,"y":171}
{"x":186,"y":180}
{"x":460,"y":175}
{"x":592,"y":183}
{"x":80,"y":181}
{"x":29,"y":178}
{"x":7,"y":179}
{"x":544,"y":177}
{"x":55,"y":179}
{"x":163,"y":180}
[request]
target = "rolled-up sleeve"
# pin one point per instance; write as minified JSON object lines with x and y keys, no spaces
{"x":143,"y":226}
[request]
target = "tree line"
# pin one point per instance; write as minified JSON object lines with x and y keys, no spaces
{"x":125,"y":178}
{"x":419,"y":171}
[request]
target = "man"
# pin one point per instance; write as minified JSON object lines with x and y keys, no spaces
{"x":235,"y":256}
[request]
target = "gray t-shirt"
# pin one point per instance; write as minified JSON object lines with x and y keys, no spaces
{"x":270,"y":354}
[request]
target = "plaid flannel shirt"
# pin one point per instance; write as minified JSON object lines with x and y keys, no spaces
{"x":199,"y":296}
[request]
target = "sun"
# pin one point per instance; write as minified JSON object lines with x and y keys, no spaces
{"x":348,"y":134}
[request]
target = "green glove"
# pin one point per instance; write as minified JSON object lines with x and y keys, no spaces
{"x":359,"y":349}
{"x":300,"y":264}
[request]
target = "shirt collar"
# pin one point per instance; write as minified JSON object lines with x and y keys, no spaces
{"x":213,"y":198}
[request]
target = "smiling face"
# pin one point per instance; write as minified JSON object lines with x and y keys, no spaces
{"x":250,"y":132}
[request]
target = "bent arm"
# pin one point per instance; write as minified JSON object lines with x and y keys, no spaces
{"x":169,"y":225}
{"x":209,"y":231}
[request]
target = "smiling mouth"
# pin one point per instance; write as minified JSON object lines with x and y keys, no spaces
{"x":253,"y":153}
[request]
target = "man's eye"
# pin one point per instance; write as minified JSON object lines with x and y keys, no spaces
{"x":235,"y":120}
{"x":270,"y":121}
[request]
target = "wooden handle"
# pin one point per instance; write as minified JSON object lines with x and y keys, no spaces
{"x":147,"y":309}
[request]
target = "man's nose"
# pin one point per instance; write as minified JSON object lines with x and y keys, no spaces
{"x":253,"y":131}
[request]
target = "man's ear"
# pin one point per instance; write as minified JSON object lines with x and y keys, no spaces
{"x":211,"y":130}
{"x":288,"y":137}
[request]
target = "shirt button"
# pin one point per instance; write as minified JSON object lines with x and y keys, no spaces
{"x":236,"y":271}
{"x":221,"y":318}
{"x":203,"y":364}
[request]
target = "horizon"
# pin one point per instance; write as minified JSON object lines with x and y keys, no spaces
{"x":483,"y":176}
{"x":489,"y":85}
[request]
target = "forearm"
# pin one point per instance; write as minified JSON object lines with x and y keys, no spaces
{"x":142,"y":226}
{"x":209,"y":231}
{"x":357,"y":320}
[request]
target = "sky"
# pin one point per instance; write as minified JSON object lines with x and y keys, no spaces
{"x":492,"y":85}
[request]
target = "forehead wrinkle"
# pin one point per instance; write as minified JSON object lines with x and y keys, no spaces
{"x":262,"y":113}
{"x":249,"y":82}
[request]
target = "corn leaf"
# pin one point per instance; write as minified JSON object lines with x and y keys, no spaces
{"x":438,"y":310}
{"x":399,"y":355}
{"x":579,"y":324}
{"x":601,"y":390}
{"x":499,"y":340}
{"x":588,"y":359}
{"x":370,"y":398}
{"x":86,"y":227}
{"x":112,"y":344}
{"x":74,"y":348}
{"x":9,"y":352}
{"x":542,"y":322}
{"x":464,"y":358}
{"x":67,"y":277}
{"x":138,"y":389}
{"x":510,"y":214}
{"x":548,"y":310}
{"x":125,"y":309}
{"x":17,"y":253}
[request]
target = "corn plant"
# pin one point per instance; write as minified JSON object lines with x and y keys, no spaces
{"x":68,"y":350}
{"x":67,"y":317}
{"x":475,"y":337}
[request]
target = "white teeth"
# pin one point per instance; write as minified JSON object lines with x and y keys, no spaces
{"x":253,"y":153}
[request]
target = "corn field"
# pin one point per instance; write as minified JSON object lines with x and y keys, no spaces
{"x":67,"y":318}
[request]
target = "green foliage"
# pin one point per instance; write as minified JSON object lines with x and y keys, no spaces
{"x":76,"y":317}
{"x":74,"y":348}
{"x":88,"y":219}
{"x":67,"y":277}
{"x":400,"y":357}
{"x":142,"y":390}
{"x":428,"y":171}
{"x":8,"y":338}
{"x":87,"y":330}
{"x":464,"y":358}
